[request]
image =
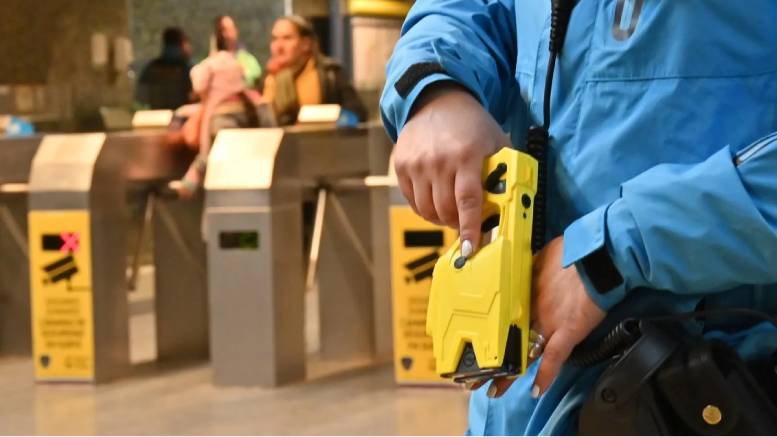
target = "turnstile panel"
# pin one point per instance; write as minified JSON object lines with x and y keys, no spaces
{"x":256,"y":295}
{"x":415,"y":247}
{"x":61,"y":289}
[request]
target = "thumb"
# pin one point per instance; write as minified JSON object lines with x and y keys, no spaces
{"x":556,"y":353}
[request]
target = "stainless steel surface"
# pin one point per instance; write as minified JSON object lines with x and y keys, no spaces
{"x":71,"y":165}
{"x":66,"y":162}
{"x":327,"y":152}
{"x":145,"y":157}
{"x":253,"y":175}
{"x":315,"y":241}
{"x":345,"y":285}
{"x":109,"y":287}
{"x":108,"y":174}
{"x":140,"y":240}
{"x":14,"y":277}
{"x":378,"y":184}
{"x":307,"y":153}
{"x":257,"y":298}
{"x":243,"y":164}
{"x":71,"y":172}
{"x":16,"y":155}
{"x":256,"y":294}
{"x":351,"y":233}
{"x":13,"y":226}
{"x":379,"y":155}
{"x":354,"y":321}
{"x":181,"y":285}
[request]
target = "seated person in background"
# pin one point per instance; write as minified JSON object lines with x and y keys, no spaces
{"x":226,"y":102}
{"x":298,"y":74}
{"x":164,"y":82}
{"x":227,"y":38}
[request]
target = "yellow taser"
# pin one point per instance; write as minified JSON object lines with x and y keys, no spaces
{"x":478,"y":314}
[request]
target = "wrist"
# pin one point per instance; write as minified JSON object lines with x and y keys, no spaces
{"x":586,"y":246}
{"x":439,"y":91}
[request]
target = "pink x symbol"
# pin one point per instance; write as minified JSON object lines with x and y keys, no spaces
{"x":70,"y":242}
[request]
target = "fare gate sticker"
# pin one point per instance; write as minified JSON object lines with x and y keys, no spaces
{"x":415,"y":247}
{"x":61,"y":287}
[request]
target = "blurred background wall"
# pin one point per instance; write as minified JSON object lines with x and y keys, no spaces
{"x":195,"y":17}
{"x":49,"y":43}
{"x":63,"y":60}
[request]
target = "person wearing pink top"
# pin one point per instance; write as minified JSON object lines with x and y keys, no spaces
{"x":226,"y":102}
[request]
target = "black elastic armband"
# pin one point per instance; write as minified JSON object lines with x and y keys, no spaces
{"x":414,"y":74}
{"x":601,"y":271}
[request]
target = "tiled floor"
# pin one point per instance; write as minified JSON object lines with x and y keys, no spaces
{"x":352,"y":398}
{"x":181,"y":400}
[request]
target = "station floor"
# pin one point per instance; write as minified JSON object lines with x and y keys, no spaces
{"x":339,"y":398}
{"x":181,"y":400}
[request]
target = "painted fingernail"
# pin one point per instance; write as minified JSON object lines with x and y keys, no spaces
{"x":466,"y":248}
{"x":535,"y":391}
{"x":491,"y":393}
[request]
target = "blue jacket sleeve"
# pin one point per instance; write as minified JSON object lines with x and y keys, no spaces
{"x":469,"y":42}
{"x":700,"y":228}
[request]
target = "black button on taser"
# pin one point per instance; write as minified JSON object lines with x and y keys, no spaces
{"x":526,"y":201}
{"x":492,"y":183}
{"x":460,"y":261}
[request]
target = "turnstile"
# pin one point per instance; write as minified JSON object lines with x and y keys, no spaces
{"x":405,"y":250}
{"x":16,"y":156}
{"x":256,"y":293}
{"x":415,"y":246}
{"x":379,"y":155}
{"x":256,"y":182}
{"x":78,"y":244}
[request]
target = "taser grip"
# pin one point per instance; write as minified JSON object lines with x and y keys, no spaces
{"x":477,"y":304}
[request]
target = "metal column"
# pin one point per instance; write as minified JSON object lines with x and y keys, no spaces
{"x":255,"y":268}
{"x":78,"y":232}
{"x":181,"y":300}
{"x":256,"y":276}
{"x":16,"y":156}
{"x":380,"y":152}
{"x":77,"y":260}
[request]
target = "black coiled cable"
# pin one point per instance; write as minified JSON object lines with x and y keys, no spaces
{"x":614,"y":343}
{"x":537,"y":146}
{"x":627,"y":332}
{"x":560,"y":14}
{"x":538,"y":138}
{"x":559,"y":23}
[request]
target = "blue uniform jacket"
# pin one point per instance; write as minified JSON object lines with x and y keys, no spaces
{"x":664,"y":151}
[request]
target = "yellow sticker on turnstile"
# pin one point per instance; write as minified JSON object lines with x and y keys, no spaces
{"x":61,"y":295}
{"x":415,"y":246}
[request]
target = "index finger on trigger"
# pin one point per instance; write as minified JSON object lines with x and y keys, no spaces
{"x":469,"y":203}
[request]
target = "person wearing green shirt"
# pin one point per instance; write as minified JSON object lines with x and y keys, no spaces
{"x":227,"y":38}
{"x":251,"y":68}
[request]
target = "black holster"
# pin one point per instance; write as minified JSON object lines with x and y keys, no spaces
{"x":671,"y":382}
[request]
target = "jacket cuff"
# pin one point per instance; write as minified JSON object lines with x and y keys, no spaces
{"x":394,"y":109}
{"x":398,"y":98}
{"x":585,"y":246}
